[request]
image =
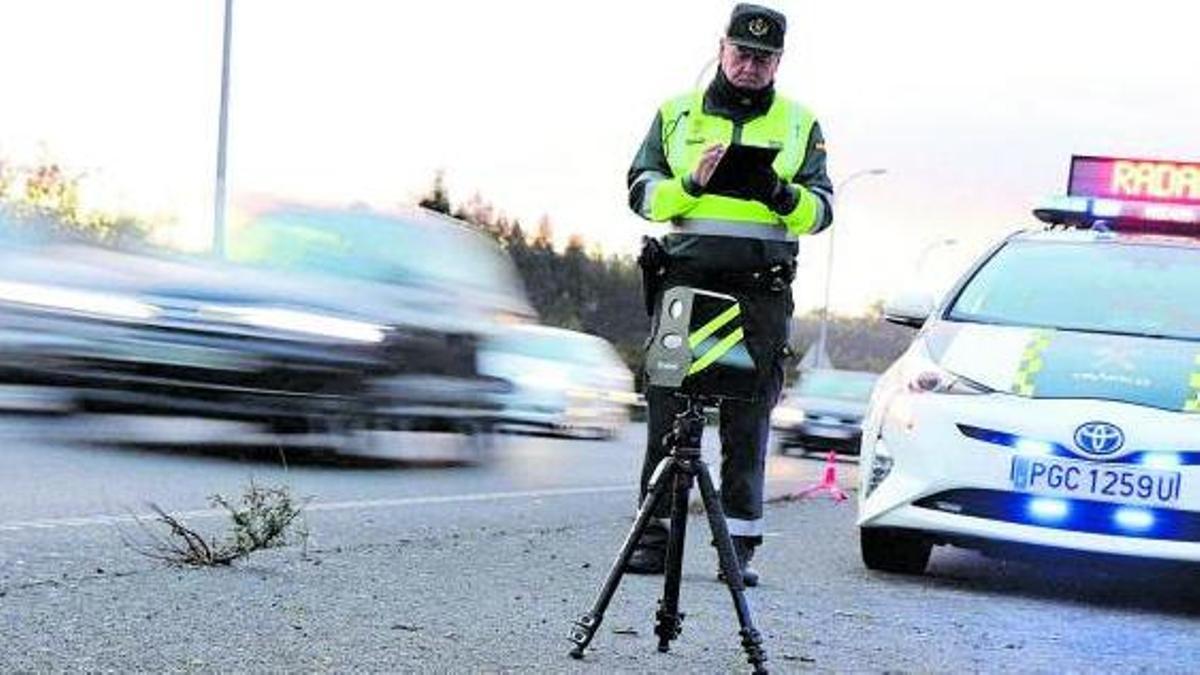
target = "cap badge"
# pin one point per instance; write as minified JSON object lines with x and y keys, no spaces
{"x":758,"y":27}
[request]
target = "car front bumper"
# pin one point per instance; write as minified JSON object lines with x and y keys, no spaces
{"x":921,"y":472}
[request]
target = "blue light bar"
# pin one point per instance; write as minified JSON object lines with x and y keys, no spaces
{"x":1161,"y":460}
{"x":1134,"y":519}
{"x":1044,"y":509}
{"x":1027,"y":446}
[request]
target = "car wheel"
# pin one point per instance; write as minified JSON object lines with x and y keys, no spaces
{"x":897,"y":551}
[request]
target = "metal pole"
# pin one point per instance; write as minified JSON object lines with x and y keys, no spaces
{"x":930,"y":248}
{"x":823,"y":336}
{"x":220,"y":197}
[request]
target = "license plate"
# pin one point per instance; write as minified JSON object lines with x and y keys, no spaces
{"x":1104,"y":482}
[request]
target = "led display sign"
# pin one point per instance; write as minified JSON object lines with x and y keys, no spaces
{"x":1131,"y":179}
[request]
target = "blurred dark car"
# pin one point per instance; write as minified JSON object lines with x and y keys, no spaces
{"x":433,"y":287}
{"x":298,"y":340}
{"x":823,"y":412}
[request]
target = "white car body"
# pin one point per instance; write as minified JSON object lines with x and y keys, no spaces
{"x":563,"y":381}
{"x":963,"y":433}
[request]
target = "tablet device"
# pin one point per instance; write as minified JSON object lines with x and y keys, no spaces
{"x":738,"y":163}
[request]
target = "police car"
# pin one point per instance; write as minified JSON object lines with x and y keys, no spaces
{"x":1053,"y":398}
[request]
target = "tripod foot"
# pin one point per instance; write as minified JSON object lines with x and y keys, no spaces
{"x":667,"y":627}
{"x":582,"y":632}
{"x":752,"y":643}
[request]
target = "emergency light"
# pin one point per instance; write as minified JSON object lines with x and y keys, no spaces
{"x":1128,"y":195}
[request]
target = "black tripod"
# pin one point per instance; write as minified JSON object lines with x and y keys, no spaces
{"x":675,"y":474}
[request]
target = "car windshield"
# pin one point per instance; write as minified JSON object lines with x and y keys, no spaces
{"x":846,"y":386}
{"x":373,"y":247}
{"x":1103,"y":287}
{"x":582,"y":350}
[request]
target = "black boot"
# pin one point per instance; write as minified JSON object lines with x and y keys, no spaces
{"x":650,"y":555}
{"x":647,"y":560}
{"x":744,"y":548}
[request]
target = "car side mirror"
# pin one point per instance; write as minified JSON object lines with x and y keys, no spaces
{"x":909,"y":308}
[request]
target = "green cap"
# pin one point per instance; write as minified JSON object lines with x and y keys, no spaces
{"x":756,"y":27}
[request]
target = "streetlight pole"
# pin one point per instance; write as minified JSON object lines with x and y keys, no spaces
{"x":930,"y":248}
{"x":823,"y":337}
{"x":220,"y":198}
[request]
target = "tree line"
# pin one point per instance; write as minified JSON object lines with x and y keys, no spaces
{"x":586,"y":290}
{"x":43,"y":201}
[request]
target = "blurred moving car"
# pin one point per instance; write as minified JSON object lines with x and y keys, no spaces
{"x":432,"y":287}
{"x":1053,"y":398}
{"x":823,"y":411}
{"x":331,"y":322}
{"x":564,"y":382}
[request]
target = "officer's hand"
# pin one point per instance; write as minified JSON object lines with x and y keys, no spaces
{"x":708,"y":164}
{"x":765,"y":186}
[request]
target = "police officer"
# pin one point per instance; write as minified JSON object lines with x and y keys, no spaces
{"x":742,"y":242}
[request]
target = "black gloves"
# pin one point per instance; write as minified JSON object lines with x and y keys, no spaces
{"x":763,"y":185}
{"x":767,"y":187}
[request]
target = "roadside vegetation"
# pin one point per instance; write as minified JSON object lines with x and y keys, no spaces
{"x":44,"y":201}
{"x":262,"y":518}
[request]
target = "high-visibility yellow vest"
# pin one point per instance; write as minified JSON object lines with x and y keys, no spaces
{"x":687,"y":131}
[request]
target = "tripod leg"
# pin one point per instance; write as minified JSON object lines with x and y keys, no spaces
{"x":584,"y":628}
{"x":669,"y":619}
{"x":751,"y":638}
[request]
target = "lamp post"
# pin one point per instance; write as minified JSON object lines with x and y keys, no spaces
{"x":220,"y":198}
{"x":822,"y":356}
{"x":930,"y":248}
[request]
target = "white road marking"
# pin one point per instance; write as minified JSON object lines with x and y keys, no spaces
{"x":88,"y":521}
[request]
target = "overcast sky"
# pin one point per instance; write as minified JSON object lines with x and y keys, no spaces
{"x":973,"y":107}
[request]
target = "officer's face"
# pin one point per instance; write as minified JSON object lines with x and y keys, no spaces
{"x":748,"y":68}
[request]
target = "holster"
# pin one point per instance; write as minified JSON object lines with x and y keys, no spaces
{"x":654,"y":261}
{"x":775,"y":278}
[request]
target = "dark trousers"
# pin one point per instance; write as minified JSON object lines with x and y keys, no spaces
{"x":744,"y":425}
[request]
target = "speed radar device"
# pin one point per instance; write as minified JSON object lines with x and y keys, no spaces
{"x":1144,"y":195}
{"x":699,"y":347}
{"x":698,"y":351}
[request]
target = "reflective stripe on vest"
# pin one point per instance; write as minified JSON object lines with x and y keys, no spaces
{"x":688,"y":131}
{"x":733,"y":228}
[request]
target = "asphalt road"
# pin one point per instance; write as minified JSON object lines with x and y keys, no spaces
{"x":483,"y":568}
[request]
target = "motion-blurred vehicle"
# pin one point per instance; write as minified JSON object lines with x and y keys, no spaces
{"x":1053,"y":398}
{"x":564,"y":382}
{"x":823,"y":412}
{"x":331,"y":322}
{"x":429,"y":286}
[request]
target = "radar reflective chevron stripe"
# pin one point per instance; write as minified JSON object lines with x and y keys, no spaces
{"x":717,"y":351}
{"x":1193,"y":402}
{"x":1031,"y":363}
{"x":709,"y":356}
{"x":713,"y":326}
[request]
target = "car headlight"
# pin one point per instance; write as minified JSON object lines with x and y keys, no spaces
{"x":881,"y":465}
{"x":293,"y":321}
{"x":922,"y":375}
{"x":95,"y":303}
{"x":788,"y":415}
{"x":543,"y":379}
